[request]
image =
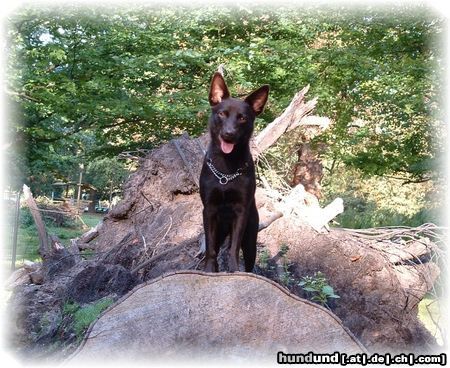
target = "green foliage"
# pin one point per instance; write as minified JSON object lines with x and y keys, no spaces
{"x":25,"y":218}
{"x":28,"y":241}
{"x":264,"y":257}
{"x":27,"y":244}
{"x":87,"y":84}
{"x":318,"y":289}
{"x":106,"y":174}
{"x":286,"y":277}
{"x":85,"y":315}
{"x":70,"y":307}
{"x":383,"y":201}
{"x":283,"y":250}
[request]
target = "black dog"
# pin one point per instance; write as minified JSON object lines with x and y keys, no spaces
{"x":227,"y":180}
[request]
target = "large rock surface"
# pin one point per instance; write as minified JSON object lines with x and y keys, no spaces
{"x":191,"y":315}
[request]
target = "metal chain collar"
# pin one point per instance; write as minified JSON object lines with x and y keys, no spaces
{"x":223,"y":178}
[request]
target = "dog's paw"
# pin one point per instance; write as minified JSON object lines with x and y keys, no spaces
{"x":210,"y":266}
{"x":233,"y":266}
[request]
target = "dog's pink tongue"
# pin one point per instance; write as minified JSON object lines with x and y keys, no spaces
{"x":226,"y":147}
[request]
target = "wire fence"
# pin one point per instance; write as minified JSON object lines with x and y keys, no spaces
{"x":61,"y":218}
{"x":11,"y":204}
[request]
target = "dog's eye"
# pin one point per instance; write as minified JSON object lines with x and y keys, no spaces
{"x":242,"y":119}
{"x":222,"y":114}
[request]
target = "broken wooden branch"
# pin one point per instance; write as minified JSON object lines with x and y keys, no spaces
{"x":91,"y":234}
{"x":288,"y":120}
{"x":160,"y":255}
{"x":275,"y":216}
{"x":44,"y":247}
{"x":300,"y":204}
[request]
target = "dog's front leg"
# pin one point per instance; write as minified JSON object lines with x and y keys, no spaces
{"x":237,"y":234}
{"x":210,"y":226}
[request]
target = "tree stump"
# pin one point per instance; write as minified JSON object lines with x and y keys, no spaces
{"x":221,"y":317}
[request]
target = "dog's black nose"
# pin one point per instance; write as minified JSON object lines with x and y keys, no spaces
{"x":229,"y":135}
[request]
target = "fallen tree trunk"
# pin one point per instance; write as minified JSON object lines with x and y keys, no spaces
{"x":378,"y":299}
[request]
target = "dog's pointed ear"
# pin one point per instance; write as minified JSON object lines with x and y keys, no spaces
{"x":257,"y":99}
{"x":219,"y":90}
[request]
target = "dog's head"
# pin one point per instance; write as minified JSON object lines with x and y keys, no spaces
{"x":232,"y":119}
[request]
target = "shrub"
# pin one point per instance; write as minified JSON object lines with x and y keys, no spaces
{"x":318,"y":289}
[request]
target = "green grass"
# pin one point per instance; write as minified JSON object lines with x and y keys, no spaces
{"x":429,"y":314}
{"x":84,"y":316}
{"x":28,"y":241}
{"x":91,"y":219}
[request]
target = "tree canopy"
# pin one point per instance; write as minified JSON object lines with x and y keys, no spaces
{"x":89,"y":82}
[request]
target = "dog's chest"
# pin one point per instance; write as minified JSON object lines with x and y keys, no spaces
{"x":221,"y":196}
{"x":227,"y":203}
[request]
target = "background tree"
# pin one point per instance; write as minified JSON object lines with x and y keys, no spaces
{"x":107,"y":175}
{"x":90,"y":84}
